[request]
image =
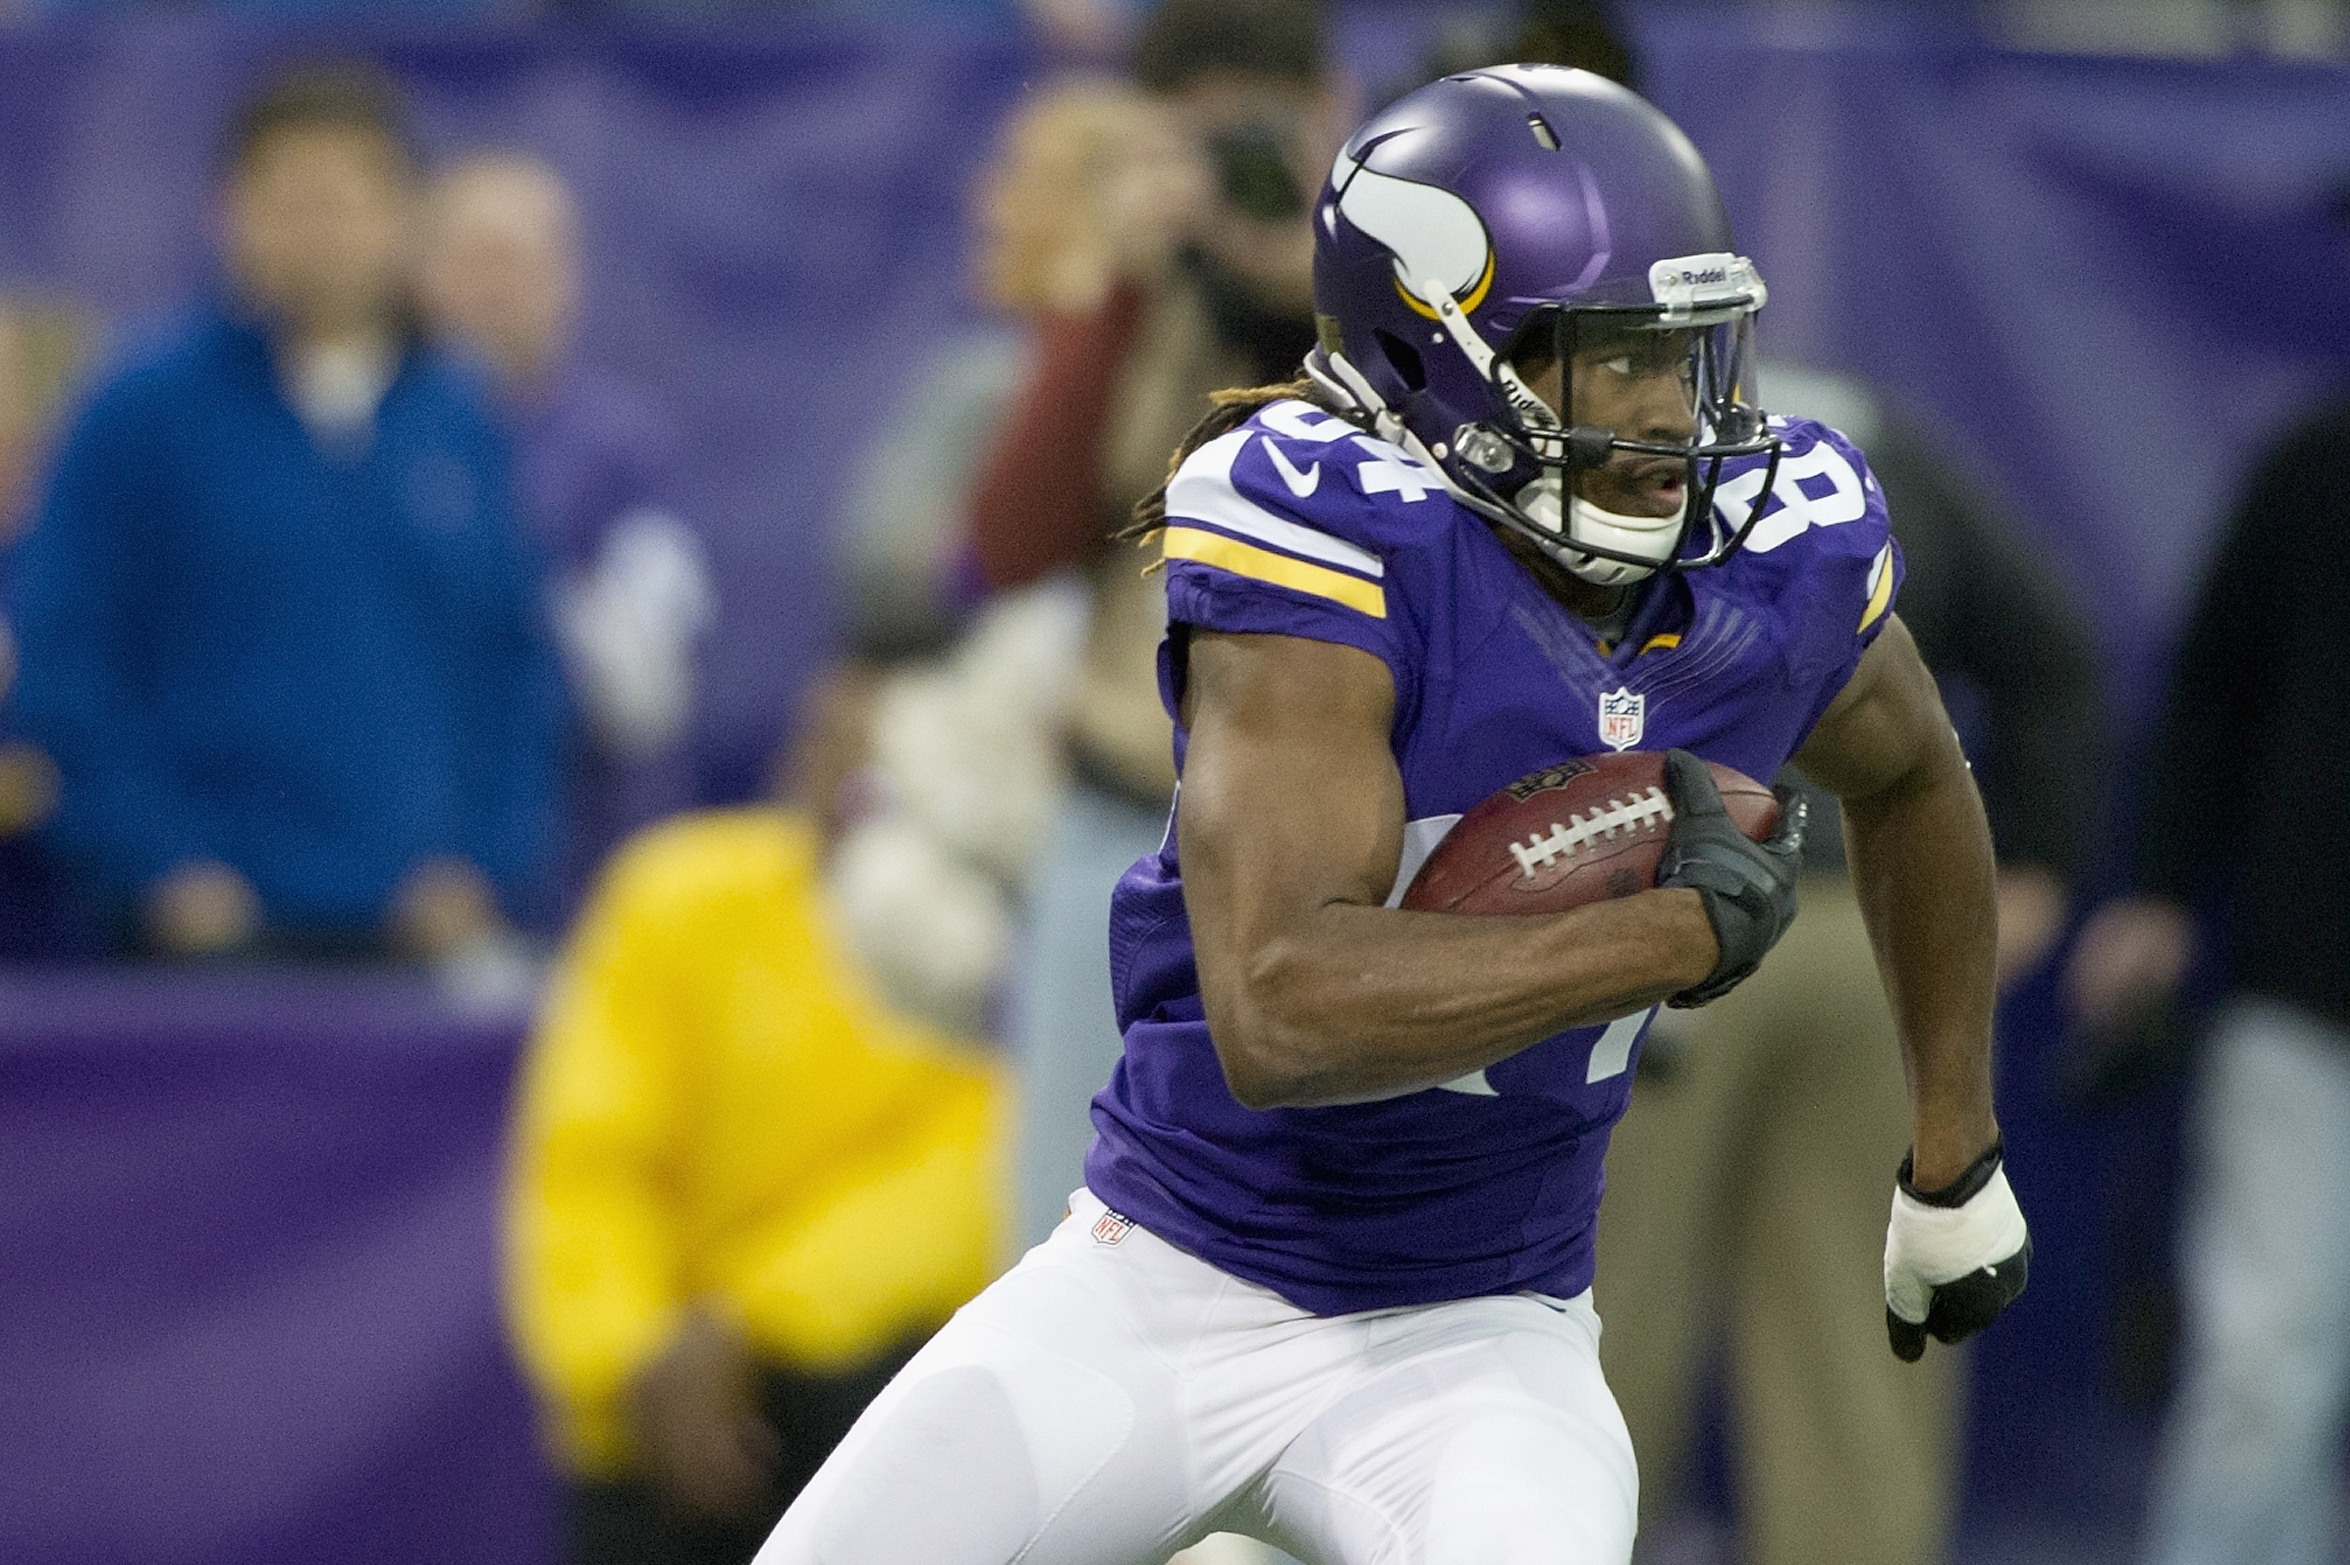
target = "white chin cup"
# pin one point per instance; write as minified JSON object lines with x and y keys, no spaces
{"x":1649,"y":538}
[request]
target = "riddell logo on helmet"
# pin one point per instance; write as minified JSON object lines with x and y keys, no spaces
{"x":1683,"y":281}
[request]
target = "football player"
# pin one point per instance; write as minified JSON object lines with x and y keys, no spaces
{"x":1329,"y":1281}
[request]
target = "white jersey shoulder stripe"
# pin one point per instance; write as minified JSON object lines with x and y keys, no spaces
{"x":1202,"y":491}
{"x":1304,"y":421}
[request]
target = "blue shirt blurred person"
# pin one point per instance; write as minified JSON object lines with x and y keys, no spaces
{"x":594,"y":465}
{"x":279,"y":629}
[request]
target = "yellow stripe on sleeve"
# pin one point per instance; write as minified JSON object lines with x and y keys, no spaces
{"x":1229,"y":554}
{"x":1880,"y":588}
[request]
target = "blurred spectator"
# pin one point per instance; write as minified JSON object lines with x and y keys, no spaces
{"x":967,"y":767}
{"x":1746,"y":1184}
{"x":2246,"y":822}
{"x":39,"y":348}
{"x":968,"y":755}
{"x":633,"y":594}
{"x":1183,"y":266}
{"x":905,"y":581}
{"x":744,"y":1189}
{"x":1046,"y":207}
{"x":1082,"y":29}
{"x":1747,"y":1180}
{"x":963,"y":781}
{"x":279,"y":629}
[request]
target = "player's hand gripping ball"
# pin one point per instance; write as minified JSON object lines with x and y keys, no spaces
{"x":1748,"y":885}
{"x":1954,"y":1257}
{"x":1609,"y":825}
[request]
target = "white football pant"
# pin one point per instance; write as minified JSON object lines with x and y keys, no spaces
{"x":1107,"y":1403}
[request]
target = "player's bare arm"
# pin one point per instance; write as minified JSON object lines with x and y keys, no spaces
{"x":1956,"y":1248}
{"x":1291,"y":828}
{"x":1922,"y":865}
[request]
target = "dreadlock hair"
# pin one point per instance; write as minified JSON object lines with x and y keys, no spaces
{"x":1227,"y":411}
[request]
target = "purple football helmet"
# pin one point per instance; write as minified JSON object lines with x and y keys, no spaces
{"x":1493,"y":226}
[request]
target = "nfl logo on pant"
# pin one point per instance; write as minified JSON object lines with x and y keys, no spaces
{"x":1109,"y":1228}
{"x":1623,"y":717}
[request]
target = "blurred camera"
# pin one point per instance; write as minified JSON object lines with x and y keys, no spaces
{"x":1252,"y":171}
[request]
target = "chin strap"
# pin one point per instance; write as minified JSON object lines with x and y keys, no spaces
{"x":1586,"y":512}
{"x":1345,"y":385}
{"x":1481,"y":357}
{"x":1620,"y":532}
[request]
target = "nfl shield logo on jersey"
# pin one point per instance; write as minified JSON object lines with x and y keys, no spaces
{"x":1111,"y":1227}
{"x":1623,"y":717}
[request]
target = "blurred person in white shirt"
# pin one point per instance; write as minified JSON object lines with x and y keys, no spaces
{"x":594,"y":462}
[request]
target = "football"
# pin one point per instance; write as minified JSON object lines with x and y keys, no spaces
{"x":1571,"y":834}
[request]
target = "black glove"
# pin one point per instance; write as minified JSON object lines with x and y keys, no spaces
{"x":1748,"y":887}
{"x":1954,"y":1257}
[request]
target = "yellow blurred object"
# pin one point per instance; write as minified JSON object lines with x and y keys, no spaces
{"x":28,"y":787}
{"x":42,"y":344}
{"x":717,"y":1110}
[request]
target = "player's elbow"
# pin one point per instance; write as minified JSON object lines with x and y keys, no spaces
{"x":1931,"y":765}
{"x":1261,"y":1059}
{"x":1260,"y":1077}
{"x":1252,"y":1084}
{"x":1270,"y":1034}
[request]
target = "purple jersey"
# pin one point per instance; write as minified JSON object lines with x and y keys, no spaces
{"x":1298,"y":524}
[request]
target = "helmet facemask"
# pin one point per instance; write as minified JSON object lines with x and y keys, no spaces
{"x":1608,"y":424}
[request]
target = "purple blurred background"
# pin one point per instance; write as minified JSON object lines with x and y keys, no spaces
{"x":247,"y":1288}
